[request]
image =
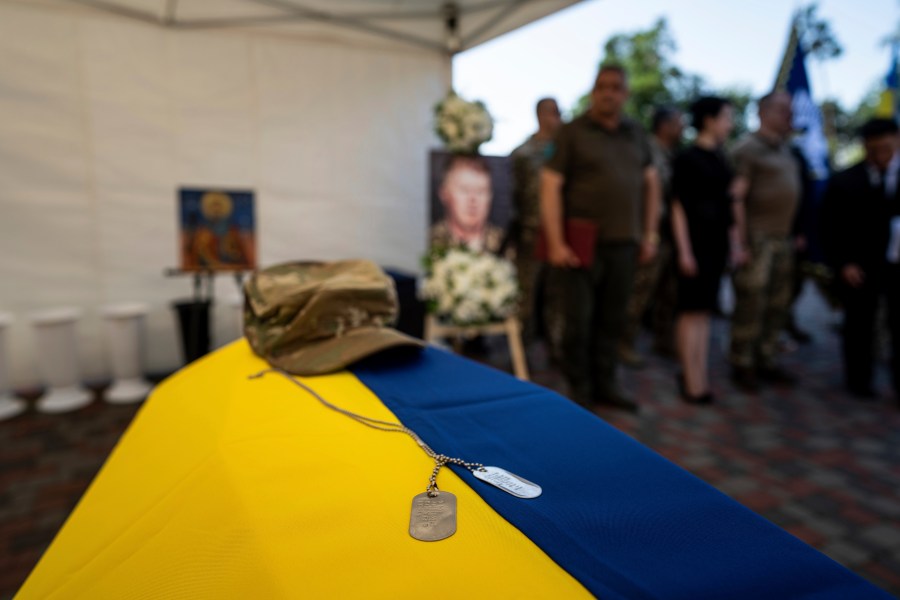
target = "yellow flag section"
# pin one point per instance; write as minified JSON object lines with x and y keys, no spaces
{"x":225,"y":487}
{"x":887,"y":105}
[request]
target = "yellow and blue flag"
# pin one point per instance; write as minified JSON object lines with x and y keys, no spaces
{"x":890,"y":96}
{"x":227,"y":487}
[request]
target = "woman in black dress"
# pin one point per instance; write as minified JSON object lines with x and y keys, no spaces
{"x":701,"y":219}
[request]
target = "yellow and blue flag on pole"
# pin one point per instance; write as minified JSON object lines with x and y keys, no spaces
{"x":887,"y":106}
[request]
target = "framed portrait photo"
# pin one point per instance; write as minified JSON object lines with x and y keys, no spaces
{"x":470,"y":199}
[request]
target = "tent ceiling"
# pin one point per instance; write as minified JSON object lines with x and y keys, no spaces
{"x":436,"y":25}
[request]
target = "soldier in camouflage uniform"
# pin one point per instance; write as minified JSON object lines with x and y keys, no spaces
{"x":599,"y":213}
{"x":655,"y":280}
{"x":767,"y":188}
{"x":527,"y":161}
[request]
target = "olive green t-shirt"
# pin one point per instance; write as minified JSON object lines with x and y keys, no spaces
{"x":603,"y":175}
{"x":775,"y":186}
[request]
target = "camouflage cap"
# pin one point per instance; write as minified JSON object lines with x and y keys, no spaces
{"x":312,"y":318}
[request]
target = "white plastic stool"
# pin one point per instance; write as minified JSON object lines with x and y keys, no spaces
{"x":57,"y":351}
{"x":10,"y":406}
{"x":124,"y":330}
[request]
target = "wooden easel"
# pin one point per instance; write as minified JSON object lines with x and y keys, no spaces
{"x":511,"y":328}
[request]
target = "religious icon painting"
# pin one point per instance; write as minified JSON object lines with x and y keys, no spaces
{"x":218,"y":230}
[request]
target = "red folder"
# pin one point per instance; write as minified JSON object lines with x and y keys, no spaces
{"x":580,"y":235}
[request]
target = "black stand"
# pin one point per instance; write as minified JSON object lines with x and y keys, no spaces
{"x":193,"y":322}
{"x":194,"y":313}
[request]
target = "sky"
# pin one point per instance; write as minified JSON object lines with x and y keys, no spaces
{"x":731,"y":43}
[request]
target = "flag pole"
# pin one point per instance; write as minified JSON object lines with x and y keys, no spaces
{"x":788,"y":59}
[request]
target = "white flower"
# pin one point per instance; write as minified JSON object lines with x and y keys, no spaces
{"x":450,"y":129}
{"x":468,"y":288}
{"x":462,"y":125}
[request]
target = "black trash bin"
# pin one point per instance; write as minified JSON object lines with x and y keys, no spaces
{"x":193,"y":321}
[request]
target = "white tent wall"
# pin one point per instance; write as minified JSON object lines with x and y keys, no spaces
{"x":103,"y":119}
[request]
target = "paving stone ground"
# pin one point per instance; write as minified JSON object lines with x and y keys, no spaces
{"x":821,"y":465}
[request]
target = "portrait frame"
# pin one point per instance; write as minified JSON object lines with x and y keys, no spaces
{"x":500,"y":171}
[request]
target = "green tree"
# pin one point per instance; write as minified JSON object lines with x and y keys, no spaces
{"x":654,"y":78}
{"x":842,"y":127}
{"x":741,"y":99}
{"x":816,"y":34}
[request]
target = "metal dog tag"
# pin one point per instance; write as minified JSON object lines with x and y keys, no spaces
{"x":508,"y":482}
{"x":433,"y":518}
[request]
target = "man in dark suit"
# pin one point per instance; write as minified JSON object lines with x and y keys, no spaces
{"x":861,"y":236}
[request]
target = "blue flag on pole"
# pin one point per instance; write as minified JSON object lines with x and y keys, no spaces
{"x":807,"y":116}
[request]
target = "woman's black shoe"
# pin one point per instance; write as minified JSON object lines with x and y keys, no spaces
{"x":702,"y":399}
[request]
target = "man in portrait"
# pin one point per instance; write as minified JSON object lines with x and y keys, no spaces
{"x":465,"y":193}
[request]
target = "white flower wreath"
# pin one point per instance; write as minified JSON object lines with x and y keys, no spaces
{"x":462,"y":126}
{"x":469,"y":288}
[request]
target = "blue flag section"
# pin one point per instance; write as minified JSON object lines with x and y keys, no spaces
{"x":807,"y":116}
{"x":622,"y":520}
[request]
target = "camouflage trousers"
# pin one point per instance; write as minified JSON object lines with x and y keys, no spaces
{"x":763,"y":289}
{"x":585,"y":310}
{"x":527,"y":270}
{"x":654,"y":283}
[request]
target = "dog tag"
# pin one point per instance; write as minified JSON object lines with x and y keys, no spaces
{"x":508,"y":482}
{"x":433,"y":518}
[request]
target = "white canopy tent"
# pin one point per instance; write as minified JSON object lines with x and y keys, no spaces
{"x":439,"y":26}
{"x":323,"y":107}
